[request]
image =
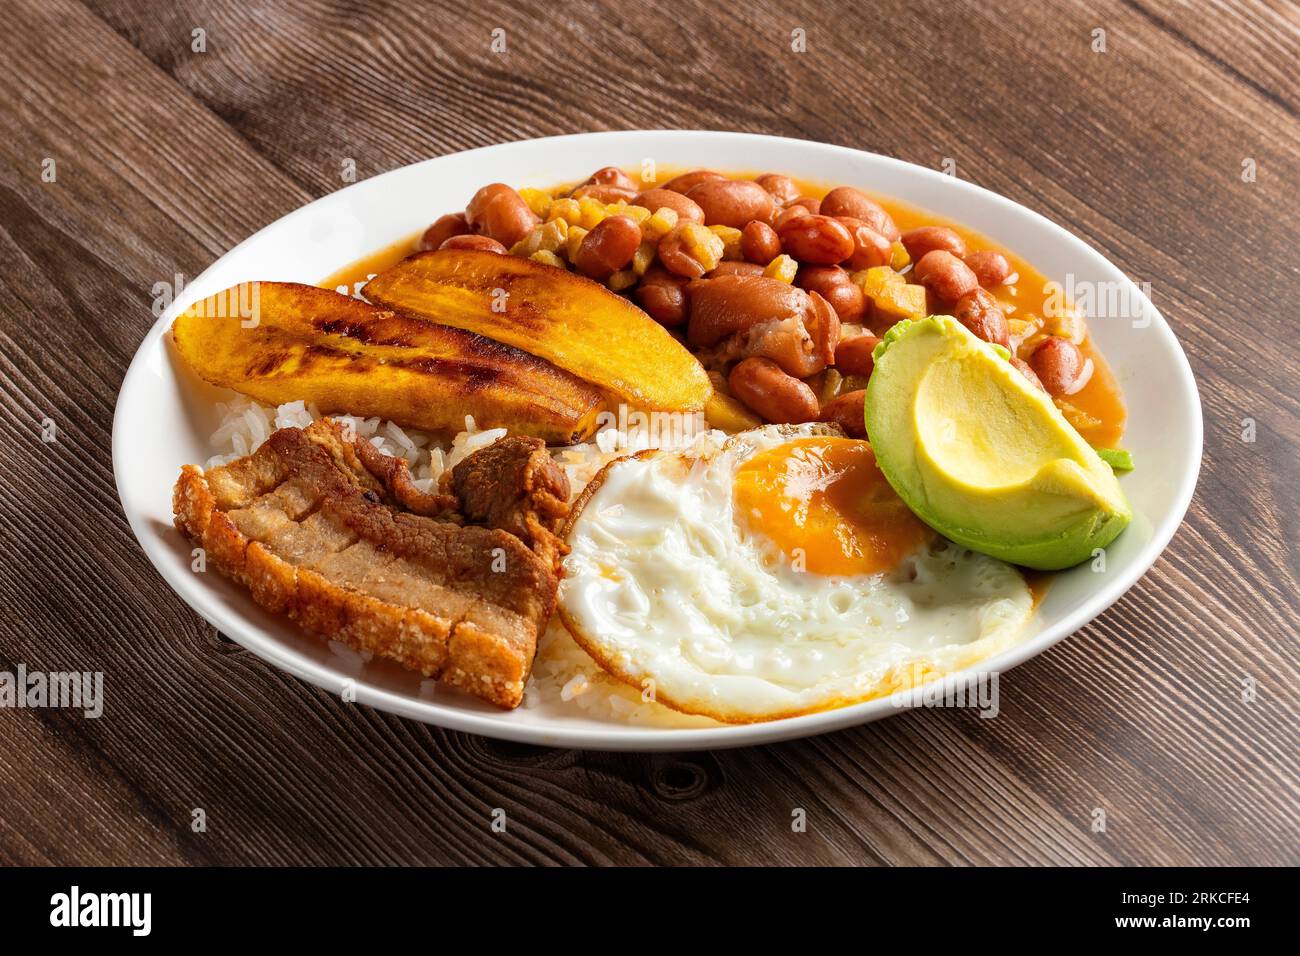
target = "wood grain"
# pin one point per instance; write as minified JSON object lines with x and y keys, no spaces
{"x":167,"y":157}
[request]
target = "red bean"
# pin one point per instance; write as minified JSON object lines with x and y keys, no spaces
{"x":775,"y":395}
{"x":612,"y":176}
{"x":1060,"y":366}
{"x":854,"y":203}
{"x":834,"y":285}
{"x":819,"y":240}
{"x":980,"y":312}
{"x":735,"y":269}
{"x":946,"y":276}
{"x":782,"y":188}
{"x":686,"y":181}
{"x":655,"y":199}
{"x":787,"y":214}
{"x":870,"y":247}
{"x":498,"y":211}
{"x":759,"y":242}
{"x":925,"y":239}
{"x":604,"y":193}
{"x":847,"y":411}
{"x":663,"y":296}
{"x":732,"y":202}
{"x":443,"y":228}
{"x":479,"y":243}
{"x":990,"y":268}
{"x":608,"y":247}
{"x":853,"y":356}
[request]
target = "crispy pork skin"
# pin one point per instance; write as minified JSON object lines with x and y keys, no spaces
{"x":456,"y":584}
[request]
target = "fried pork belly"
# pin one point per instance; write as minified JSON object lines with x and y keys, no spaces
{"x":456,"y":584}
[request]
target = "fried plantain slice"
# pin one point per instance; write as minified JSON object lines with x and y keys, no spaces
{"x":566,"y":319}
{"x":280,"y":342}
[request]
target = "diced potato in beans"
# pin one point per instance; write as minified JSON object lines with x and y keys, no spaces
{"x":660,"y":224}
{"x":573,"y":241}
{"x":539,"y":201}
{"x":591,"y":212}
{"x":891,"y":295}
{"x":729,"y":414}
{"x":624,"y":279}
{"x":898,"y":257}
{"x":730,"y":237}
{"x":645,"y":255}
{"x":638,"y":214}
{"x":547,"y":258}
{"x":703,"y":245}
{"x":783,"y":268}
{"x":566,"y":209}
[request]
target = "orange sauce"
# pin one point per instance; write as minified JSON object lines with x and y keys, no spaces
{"x":355,"y":274}
{"x":1100,"y":399}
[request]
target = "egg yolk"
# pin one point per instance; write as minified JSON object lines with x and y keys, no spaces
{"x":826,"y":505}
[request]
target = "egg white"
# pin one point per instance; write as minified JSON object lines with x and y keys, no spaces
{"x":670,"y":593}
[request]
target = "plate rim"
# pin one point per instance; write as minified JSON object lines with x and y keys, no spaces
{"x":633,"y":737}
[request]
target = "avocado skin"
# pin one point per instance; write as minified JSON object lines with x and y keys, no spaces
{"x":1119,"y":459}
{"x":1052,"y":553}
{"x":1054,"y":550}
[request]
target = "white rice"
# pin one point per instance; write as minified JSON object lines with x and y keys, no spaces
{"x":564,"y":675}
{"x":245,"y":424}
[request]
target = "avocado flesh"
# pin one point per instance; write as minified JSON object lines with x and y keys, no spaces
{"x":981,"y":455}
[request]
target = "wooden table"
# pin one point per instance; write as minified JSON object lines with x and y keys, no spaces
{"x":165,"y":157}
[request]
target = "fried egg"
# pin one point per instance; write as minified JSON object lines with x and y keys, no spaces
{"x":774,"y":574}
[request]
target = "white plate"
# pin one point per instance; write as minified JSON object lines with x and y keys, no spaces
{"x":165,"y":415}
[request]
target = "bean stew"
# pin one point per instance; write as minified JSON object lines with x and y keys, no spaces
{"x":782,"y":287}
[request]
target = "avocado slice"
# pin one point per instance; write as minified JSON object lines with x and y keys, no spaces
{"x":982,"y":456}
